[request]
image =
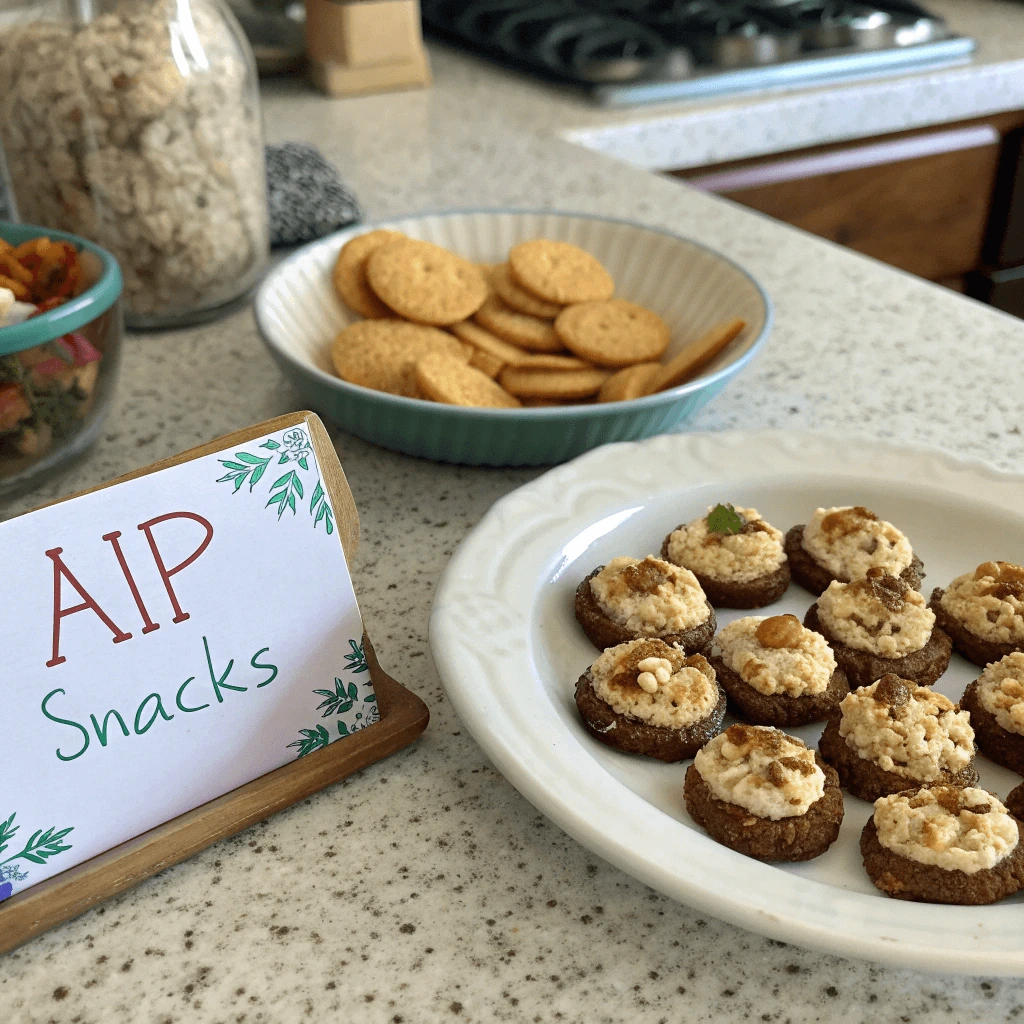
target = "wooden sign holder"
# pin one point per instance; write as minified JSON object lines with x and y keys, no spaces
{"x":403,"y":718}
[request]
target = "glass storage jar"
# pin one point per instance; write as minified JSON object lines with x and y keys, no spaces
{"x":59,"y":367}
{"x":136,"y":124}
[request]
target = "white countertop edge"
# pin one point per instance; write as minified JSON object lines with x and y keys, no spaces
{"x":764,"y":124}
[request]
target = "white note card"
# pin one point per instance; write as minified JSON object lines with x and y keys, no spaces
{"x":164,"y":641}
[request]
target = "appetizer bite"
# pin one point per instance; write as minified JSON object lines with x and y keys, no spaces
{"x":777,"y":672}
{"x":943,"y":844}
{"x":647,"y":697}
{"x":842,"y":543}
{"x":983,"y":611}
{"x":880,"y":625}
{"x":995,"y":701}
{"x":631,"y":598}
{"x":765,"y":794}
{"x":893,"y":736}
{"x":736,"y":556}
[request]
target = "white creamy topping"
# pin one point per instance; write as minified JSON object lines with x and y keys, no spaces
{"x":686,"y":695}
{"x":777,"y":655}
{"x":907,"y":729}
{"x":848,"y":540}
{"x":736,"y":557}
{"x":877,"y":614}
{"x":763,"y":770}
{"x":989,"y":602}
{"x":1001,"y":692}
{"x":955,"y":829}
{"x":651,"y":596}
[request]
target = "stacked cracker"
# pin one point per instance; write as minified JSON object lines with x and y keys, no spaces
{"x":541,"y":329}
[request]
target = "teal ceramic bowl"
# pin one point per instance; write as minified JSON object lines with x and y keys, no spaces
{"x":689,"y":285}
{"x":58,"y":369}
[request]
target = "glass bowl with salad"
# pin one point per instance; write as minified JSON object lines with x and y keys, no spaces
{"x":60,"y":345}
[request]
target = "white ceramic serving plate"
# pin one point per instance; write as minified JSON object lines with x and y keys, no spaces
{"x":689,"y":285}
{"x":509,"y":651}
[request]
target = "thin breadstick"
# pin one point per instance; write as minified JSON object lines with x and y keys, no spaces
{"x":684,"y":364}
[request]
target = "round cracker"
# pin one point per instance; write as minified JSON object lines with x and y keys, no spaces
{"x":382,"y":354}
{"x":628,"y":383}
{"x":425,"y":283}
{"x":519,"y":298}
{"x":554,"y":384}
{"x":486,"y":363}
{"x":613,"y":333}
{"x":520,"y":328}
{"x":479,"y":338}
{"x":349,"y":275}
{"x":449,"y":380}
{"x":559,"y":272}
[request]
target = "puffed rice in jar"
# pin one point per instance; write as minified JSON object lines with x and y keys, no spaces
{"x":136,"y":123}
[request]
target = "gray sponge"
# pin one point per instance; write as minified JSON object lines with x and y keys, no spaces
{"x":306,"y":195}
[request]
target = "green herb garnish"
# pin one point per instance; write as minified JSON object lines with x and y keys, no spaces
{"x":725,"y":519}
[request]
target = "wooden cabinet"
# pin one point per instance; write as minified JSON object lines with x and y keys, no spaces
{"x":921,"y":201}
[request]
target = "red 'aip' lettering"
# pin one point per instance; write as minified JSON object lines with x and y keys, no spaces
{"x":62,"y":572}
{"x":165,"y":573}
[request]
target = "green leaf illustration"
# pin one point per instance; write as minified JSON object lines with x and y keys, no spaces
{"x":338,"y":701}
{"x":7,"y":830}
{"x":724,"y":519}
{"x":357,"y":659}
{"x":43,"y":845}
{"x":286,"y":489}
{"x":353,"y":691}
{"x":248,"y":467}
{"x":343,"y":729}
{"x":310,"y":740}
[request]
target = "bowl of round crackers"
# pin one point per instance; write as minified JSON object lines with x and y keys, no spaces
{"x":509,"y":338}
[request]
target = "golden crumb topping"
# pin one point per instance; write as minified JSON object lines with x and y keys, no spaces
{"x":1001,"y":692}
{"x":655,"y":683}
{"x":650,"y":595}
{"x":907,"y":729}
{"x":989,"y":602}
{"x":777,"y":655}
{"x":955,"y":829}
{"x":879,"y":614}
{"x":761,"y":769}
{"x":755,"y":551}
{"x":848,"y":540}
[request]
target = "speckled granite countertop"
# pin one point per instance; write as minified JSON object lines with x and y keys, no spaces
{"x":671,"y":136}
{"x":426,"y":889}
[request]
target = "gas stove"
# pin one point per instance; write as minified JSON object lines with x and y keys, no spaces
{"x":624,"y":52}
